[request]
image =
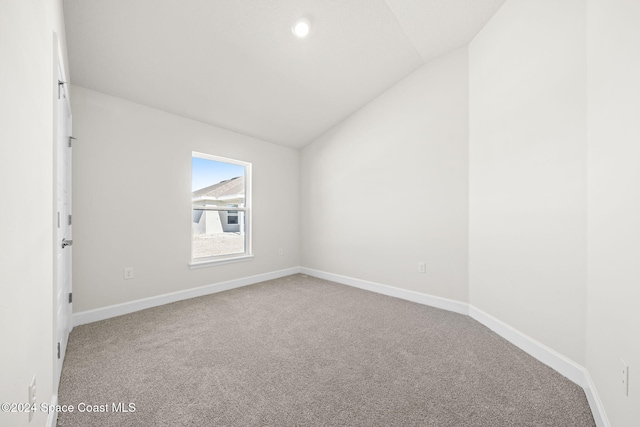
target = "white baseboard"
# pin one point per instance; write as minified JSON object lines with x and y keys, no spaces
{"x":103,"y":313}
{"x":420,"y":298}
{"x":544,"y":354}
{"x":597,"y":409}
{"x":536,"y":349}
{"x":52,"y":418}
{"x":561,"y":364}
{"x":541,"y":352}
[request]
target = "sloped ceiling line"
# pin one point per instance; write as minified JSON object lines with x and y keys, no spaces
{"x":236,"y":64}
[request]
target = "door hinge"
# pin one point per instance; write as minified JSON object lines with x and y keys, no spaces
{"x":71,"y":140}
{"x":69,"y":219}
{"x":70,"y":297}
{"x":58,"y":219}
{"x":58,"y":350}
{"x":60,"y":85}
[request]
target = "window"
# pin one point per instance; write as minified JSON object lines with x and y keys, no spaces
{"x":221,"y":210}
{"x":232,"y":216}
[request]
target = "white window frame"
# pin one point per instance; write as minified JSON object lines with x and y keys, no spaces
{"x":247,"y":255}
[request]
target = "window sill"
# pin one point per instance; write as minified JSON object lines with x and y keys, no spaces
{"x":202,"y":264}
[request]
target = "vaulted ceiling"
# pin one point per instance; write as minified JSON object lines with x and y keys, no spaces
{"x":236,"y":64}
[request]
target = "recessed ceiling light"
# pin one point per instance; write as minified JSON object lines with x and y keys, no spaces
{"x":301,"y":28}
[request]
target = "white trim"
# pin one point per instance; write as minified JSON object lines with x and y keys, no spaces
{"x":561,"y":364}
{"x":206,"y":207}
{"x":556,"y":361}
{"x":52,"y":418}
{"x":95,"y":315}
{"x":544,"y":354}
{"x":230,"y":260}
{"x":597,"y":408}
{"x":215,"y":158}
{"x":392,"y":291}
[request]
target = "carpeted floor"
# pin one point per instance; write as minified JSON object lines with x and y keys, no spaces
{"x":301,"y":351}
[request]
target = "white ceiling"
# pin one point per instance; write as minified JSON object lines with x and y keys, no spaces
{"x":236,"y":64}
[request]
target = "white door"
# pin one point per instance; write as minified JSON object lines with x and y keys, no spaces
{"x":64,"y":220}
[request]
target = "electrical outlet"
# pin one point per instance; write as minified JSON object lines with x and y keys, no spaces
{"x":625,"y":377}
{"x":32,"y":397}
{"x":422,"y":267}
{"x":280,"y":251}
{"x":128,"y":273}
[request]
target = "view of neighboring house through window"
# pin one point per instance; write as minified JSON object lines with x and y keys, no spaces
{"x":221,"y":201}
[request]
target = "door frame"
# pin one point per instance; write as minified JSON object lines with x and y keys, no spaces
{"x":62,"y":324}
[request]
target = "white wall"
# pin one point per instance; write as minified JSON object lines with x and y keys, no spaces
{"x":132,"y":201}
{"x":387,"y":188}
{"x":26,"y":191}
{"x":527,"y":232}
{"x":613,"y":314}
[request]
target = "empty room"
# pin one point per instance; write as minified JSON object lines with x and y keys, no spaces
{"x":320,"y":213}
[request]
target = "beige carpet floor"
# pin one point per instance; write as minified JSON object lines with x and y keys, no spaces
{"x":301,"y":351}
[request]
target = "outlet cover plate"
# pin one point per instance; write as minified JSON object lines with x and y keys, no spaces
{"x":624,"y":368}
{"x":422,"y":267}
